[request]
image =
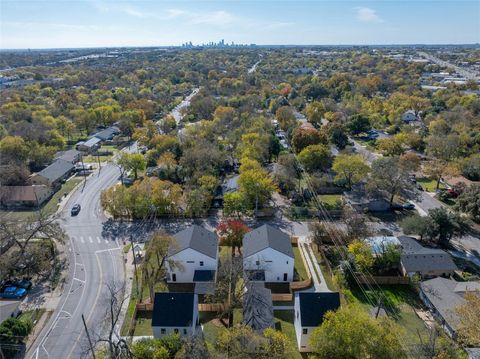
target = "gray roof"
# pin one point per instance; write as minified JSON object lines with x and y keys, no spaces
{"x":197,"y":238}
{"x":416,"y":258}
{"x":446,"y":295}
{"x":108,"y":133}
{"x":56,"y":170}
{"x":258,"y":307}
{"x":69,"y":155}
{"x":231,"y":185}
{"x":91,"y":142}
{"x":264,"y":237}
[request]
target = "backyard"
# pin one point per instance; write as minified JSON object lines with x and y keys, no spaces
{"x":299,"y":264}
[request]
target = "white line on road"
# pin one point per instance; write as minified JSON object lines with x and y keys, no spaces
{"x":98,"y":240}
{"x":90,"y":239}
{"x":82,"y":240}
{"x":106,"y":241}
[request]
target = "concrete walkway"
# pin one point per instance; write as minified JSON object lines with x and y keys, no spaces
{"x":283,"y":307}
{"x":317,"y":276}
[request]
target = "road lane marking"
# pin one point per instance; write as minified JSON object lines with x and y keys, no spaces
{"x":106,"y":241}
{"x":90,"y":239}
{"x":98,"y":240}
{"x":82,"y":240}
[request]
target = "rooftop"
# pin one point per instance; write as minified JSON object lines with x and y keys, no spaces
{"x":197,"y":238}
{"x":314,"y":306}
{"x":173,"y":309}
{"x":264,"y":237}
{"x":56,"y":170}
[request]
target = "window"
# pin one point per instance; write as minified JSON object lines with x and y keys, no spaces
{"x":257,"y":263}
{"x":201,"y":263}
{"x":175,"y":330}
{"x":304,"y":331}
{"x":190,"y":261}
{"x":287,"y":262}
{"x":162,"y":331}
{"x":268,"y":261}
{"x":184,"y":331}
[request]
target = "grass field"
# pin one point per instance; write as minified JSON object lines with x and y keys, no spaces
{"x":144,"y":324}
{"x":284,"y":323}
{"x":429,"y":185}
{"x":299,"y":265}
{"x":400,"y":301}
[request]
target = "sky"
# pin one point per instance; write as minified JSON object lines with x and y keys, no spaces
{"x":110,"y":23}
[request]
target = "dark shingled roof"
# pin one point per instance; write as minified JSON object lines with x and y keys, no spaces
{"x":197,"y":238}
{"x":258,"y":307}
{"x":173,"y":309}
{"x":69,"y":155}
{"x":266,"y":236}
{"x":56,"y":170}
{"x":416,"y":258}
{"x":313,"y":307}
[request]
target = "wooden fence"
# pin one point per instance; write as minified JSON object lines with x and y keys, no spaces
{"x":211,"y":307}
{"x":382,"y":279}
{"x":282,"y":297}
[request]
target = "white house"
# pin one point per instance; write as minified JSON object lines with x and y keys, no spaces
{"x":193,"y":257}
{"x":175,"y":313}
{"x":310,"y":309}
{"x":268,"y":255}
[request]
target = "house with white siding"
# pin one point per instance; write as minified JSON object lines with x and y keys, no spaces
{"x":175,"y":313}
{"x":193,"y":257}
{"x":268,"y":255}
{"x":310,"y":309}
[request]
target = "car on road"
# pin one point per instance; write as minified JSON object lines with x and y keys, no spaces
{"x":13,"y":293}
{"x":75,"y":209}
{"x":408,"y":206}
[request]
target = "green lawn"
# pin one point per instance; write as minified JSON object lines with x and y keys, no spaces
{"x":143,"y":326}
{"x":299,"y":265}
{"x":400,"y":301}
{"x":32,"y":315}
{"x":284,"y":323}
{"x":49,"y":208}
{"x":332,"y":200}
{"x":429,"y":185}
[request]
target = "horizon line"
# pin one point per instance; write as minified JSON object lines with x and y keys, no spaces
{"x":236,"y":45}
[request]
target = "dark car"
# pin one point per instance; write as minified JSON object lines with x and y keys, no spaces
{"x":75,"y":209}
{"x":408,"y":206}
{"x":13,"y":293}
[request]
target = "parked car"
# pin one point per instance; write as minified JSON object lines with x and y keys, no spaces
{"x":75,"y":209}
{"x":24,"y":283}
{"x":408,"y":206}
{"x":13,"y":293}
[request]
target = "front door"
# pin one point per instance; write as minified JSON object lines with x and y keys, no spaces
{"x":285,"y":276}
{"x":174,"y":277}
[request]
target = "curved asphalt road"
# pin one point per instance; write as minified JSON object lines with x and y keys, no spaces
{"x":95,"y":261}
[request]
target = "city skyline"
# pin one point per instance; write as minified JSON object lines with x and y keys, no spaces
{"x":93,"y":23}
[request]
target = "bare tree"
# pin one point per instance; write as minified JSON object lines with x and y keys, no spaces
{"x":30,"y":244}
{"x":117,"y":347}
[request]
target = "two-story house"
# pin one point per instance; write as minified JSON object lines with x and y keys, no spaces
{"x":268,"y":255}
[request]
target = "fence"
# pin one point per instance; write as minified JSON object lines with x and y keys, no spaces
{"x":282,"y":297}
{"x":382,"y":279}
{"x":211,"y":307}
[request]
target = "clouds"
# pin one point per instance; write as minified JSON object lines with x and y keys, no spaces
{"x":365,"y":14}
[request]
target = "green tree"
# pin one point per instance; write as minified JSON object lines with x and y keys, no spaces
{"x":416,"y":224}
{"x":469,"y":320}
{"x":350,"y":333}
{"x":256,"y":187}
{"x":315,"y":158}
{"x":338,"y":137}
{"x":362,"y":254}
{"x":303,"y":137}
{"x":391,"y":178}
{"x":350,"y":168}
{"x":469,"y":202}
{"x":286,"y":118}
{"x":234,"y":204}
{"x":132,"y":162}
{"x":444,"y":226}
{"x":358,"y":124}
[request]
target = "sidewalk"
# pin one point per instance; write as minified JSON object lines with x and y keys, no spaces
{"x":319,"y":282}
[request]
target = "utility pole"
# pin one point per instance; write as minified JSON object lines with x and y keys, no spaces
{"x":135,"y":266}
{"x":84,"y":173}
{"x":88,"y":336}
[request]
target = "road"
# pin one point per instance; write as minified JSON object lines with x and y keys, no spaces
{"x":467,"y":73}
{"x":177,"y":111}
{"x":95,"y":261}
